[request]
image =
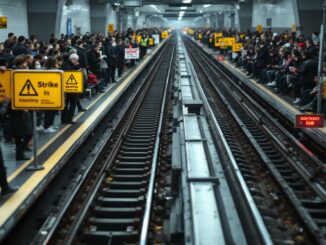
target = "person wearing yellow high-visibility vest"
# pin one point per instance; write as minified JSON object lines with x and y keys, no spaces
{"x":143,"y":45}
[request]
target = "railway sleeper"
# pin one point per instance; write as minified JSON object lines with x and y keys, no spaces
{"x":104,"y":237}
{"x":121,"y":202}
{"x":122,"y":193}
{"x":113,"y":224}
{"x":128,"y":184}
{"x":118,"y":212}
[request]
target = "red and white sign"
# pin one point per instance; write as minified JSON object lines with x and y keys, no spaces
{"x":309,"y":121}
{"x":220,"y":57}
{"x":131,"y":53}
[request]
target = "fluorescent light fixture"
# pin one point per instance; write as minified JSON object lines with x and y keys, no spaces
{"x":183,"y":7}
{"x":206,"y":5}
{"x":201,"y":11}
{"x":186,"y":1}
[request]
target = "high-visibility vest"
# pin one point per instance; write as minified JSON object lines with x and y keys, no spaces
{"x":144,"y":42}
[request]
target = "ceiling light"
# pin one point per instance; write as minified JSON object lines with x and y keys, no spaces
{"x":206,"y":5}
{"x":186,"y":1}
{"x":200,"y":11}
{"x":183,"y":7}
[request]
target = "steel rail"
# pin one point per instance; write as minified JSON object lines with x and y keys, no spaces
{"x":149,"y":199}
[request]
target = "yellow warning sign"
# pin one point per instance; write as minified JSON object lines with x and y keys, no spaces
{"x":4,"y":84}
{"x":3,"y":22}
{"x":217,"y":36}
{"x":73,"y":81}
{"x":259,"y":28}
{"x":110,"y":28}
{"x":200,"y":36}
{"x":293,"y":28}
{"x":151,"y":41}
{"x":139,"y":38}
{"x":165,"y":35}
{"x":236,"y":47}
{"x":37,"y":90}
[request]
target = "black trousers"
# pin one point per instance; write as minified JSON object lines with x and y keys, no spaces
{"x":22,"y":143}
{"x":111,"y":72}
{"x":3,"y":174}
{"x":70,"y":107}
{"x":49,"y":118}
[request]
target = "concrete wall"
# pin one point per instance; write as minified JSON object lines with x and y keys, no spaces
{"x":79,"y":12}
{"x":282,"y":14}
{"x":310,"y":14}
{"x":42,"y":17}
{"x":16,"y":11}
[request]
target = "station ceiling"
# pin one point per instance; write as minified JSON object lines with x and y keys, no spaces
{"x":171,"y":2}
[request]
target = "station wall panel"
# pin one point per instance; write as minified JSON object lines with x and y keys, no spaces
{"x":282,"y":14}
{"x":79,"y":12}
{"x":310,"y":14}
{"x":16,"y":11}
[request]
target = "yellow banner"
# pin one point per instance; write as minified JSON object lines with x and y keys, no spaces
{"x":37,"y":90}
{"x":5,"y":84}
{"x":226,"y":42}
{"x":236,"y":47}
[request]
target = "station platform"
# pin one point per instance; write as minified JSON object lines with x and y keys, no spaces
{"x":280,"y":103}
{"x":55,"y":148}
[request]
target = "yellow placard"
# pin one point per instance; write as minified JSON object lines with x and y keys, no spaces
{"x":151,"y":41}
{"x":259,"y":28}
{"x":236,"y":47}
{"x":37,"y":90}
{"x":200,"y":36}
{"x":294,"y":28}
{"x":73,"y":82}
{"x":139,"y":38}
{"x":110,"y":28}
{"x":5,"y":84}
{"x":226,"y":42}
{"x":165,"y":35}
{"x":3,"y":22}
{"x":217,"y":36}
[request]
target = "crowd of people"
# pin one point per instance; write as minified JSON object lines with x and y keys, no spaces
{"x":100,"y":57}
{"x":285,"y":62}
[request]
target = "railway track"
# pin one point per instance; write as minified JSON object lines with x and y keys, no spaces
{"x":114,"y":203}
{"x":288,"y":186}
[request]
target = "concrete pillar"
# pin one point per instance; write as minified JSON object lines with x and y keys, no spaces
{"x":44,"y":17}
{"x":245,"y":16}
{"x":111,"y":18}
{"x":220,"y":20}
{"x":99,"y":15}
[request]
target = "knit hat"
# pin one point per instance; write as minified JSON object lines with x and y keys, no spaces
{"x":73,"y":56}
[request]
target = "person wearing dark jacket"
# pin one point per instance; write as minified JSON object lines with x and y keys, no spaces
{"x":120,"y":57}
{"x":111,"y":56}
{"x":21,"y":121}
{"x":94,"y":60}
{"x":20,"y":48}
{"x":82,"y":54}
{"x":70,"y":98}
{"x":307,"y":72}
{"x":6,"y":189}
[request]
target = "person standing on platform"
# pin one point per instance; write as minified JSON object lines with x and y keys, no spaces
{"x":70,"y":98}
{"x":120,"y":57}
{"x":21,"y":121}
{"x":6,"y":189}
{"x":143,"y":45}
{"x":111,"y":56}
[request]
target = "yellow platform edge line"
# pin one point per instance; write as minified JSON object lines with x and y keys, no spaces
{"x":13,"y":203}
